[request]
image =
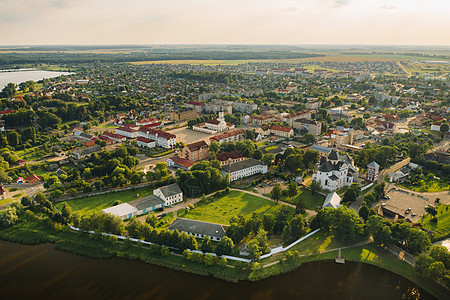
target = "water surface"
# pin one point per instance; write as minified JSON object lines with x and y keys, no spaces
{"x":41,"y":272}
{"x":22,"y":76}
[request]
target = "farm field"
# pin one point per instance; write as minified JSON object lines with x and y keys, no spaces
{"x":89,"y":205}
{"x":220,"y":210}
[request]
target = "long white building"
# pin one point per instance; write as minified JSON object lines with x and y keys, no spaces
{"x":244,"y":168}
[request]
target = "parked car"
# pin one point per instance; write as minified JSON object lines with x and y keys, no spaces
{"x":160,"y":209}
{"x":163,"y":215}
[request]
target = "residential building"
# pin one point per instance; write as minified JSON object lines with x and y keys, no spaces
{"x":33,"y":179}
{"x":229,"y":136}
{"x":113,"y":136}
{"x":324,"y":151}
{"x":199,"y":229}
{"x":83,"y":136}
{"x":230,"y":157}
{"x":313,"y":104}
{"x":290,"y":119}
{"x":128,"y":132}
{"x":84,"y":152}
{"x":148,"y":121}
{"x":332,"y":200}
{"x":373,"y":170}
{"x":263,"y":119}
{"x":195,"y":105}
{"x":162,"y":138}
{"x":263,"y":130}
{"x":145,"y":142}
{"x":183,"y":115}
{"x":195,"y":151}
{"x":244,"y":168}
{"x":171,"y":194}
{"x":310,"y":126}
{"x":282,"y":131}
{"x":335,"y":171}
{"x":178,"y":162}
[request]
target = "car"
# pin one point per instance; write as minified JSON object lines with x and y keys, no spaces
{"x":413,"y":214}
{"x":191,"y":205}
{"x":160,"y":209}
{"x":409,"y":209}
{"x":406,"y":212}
{"x":163,"y":215}
{"x":383,"y":204}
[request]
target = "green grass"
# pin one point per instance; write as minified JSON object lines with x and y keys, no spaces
{"x":442,"y":227}
{"x":311,"y":201}
{"x":6,"y":201}
{"x":427,"y":186}
{"x":220,"y":210}
{"x":318,"y":242}
{"x":88,"y":205}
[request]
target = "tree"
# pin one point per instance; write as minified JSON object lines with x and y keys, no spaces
{"x":151,"y":220}
{"x":225,"y":246}
{"x":351,"y":193}
{"x":444,"y":128}
{"x":436,"y":271}
{"x":258,"y":154}
{"x":315,"y":187}
{"x":261,"y":238}
{"x":26,"y":201}
{"x":268,"y":158}
{"x":66,"y":211}
{"x":254,"y":250}
{"x":165,"y":251}
{"x":311,"y":158}
{"x":276,"y":192}
{"x":268,"y":222}
{"x":8,"y":216}
{"x":292,"y":189}
{"x":441,"y":253}
{"x":206,"y":245}
{"x":309,"y":138}
{"x":9,"y":90}
{"x":366,"y":116}
{"x":294,"y":229}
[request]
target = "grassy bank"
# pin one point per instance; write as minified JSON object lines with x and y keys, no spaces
{"x":441,"y":228}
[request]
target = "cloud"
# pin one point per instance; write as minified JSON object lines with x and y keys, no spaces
{"x":340,"y":3}
{"x":388,"y":7}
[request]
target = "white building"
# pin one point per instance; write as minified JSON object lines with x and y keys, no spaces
{"x":171,"y":194}
{"x":214,"y":126}
{"x":335,"y":171}
{"x":244,"y":168}
{"x":129,"y":132}
{"x":310,"y":126}
{"x":145,"y":142}
{"x":162,"y":138}
{"x":332,"y":200}
{"x":136,"y":207}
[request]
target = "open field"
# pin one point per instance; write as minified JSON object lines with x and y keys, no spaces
{"x":88,"y":205}
{"x":427,"y":185}
{"x":442,"y":227}
{"x":220,"y":210}
{"x":311,"y":201}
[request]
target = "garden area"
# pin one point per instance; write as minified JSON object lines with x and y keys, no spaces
{"x":310,"y":201}
{"x":88,"y":205}
{"x":220,"y":210}
{"x":425,"y":182}
{"x":441,"y":225}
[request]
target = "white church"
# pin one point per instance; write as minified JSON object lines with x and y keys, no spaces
{"x":335,"y":171}
{"x":214,"y":126}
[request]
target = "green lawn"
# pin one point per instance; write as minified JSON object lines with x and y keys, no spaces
{"x":220,"y":210}
{"x":88,"y":205}
{"x":427,"y":186}
{"x":442,"y":227}
{"x":318,"y":242}
{"x":311,"y":201}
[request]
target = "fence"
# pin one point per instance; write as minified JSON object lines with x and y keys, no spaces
{"x":272,"y":251}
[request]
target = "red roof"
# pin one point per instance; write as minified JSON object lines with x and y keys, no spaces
{"x":182,"y":162}
{"x":280,"y":128}
{"x":227,"y":134}
{"x":196,"y":103}
{"x":127,"y":129}
{"x":144,"y":140}
{"x":33,"y":177}
{"x":113,"y":135}
{"x":158,"y":132}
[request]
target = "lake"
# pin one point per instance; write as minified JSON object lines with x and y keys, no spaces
{"x":41,"y":272}
{"x":22,"y":76}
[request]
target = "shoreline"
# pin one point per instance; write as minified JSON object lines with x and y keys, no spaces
{"x":96,"y":246}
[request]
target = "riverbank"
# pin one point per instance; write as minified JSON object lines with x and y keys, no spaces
{"x":35,"y":231}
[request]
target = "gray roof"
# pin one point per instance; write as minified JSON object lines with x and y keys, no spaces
{"x":332,"y":200}
{"x":146,"y":202}
{"x":334,"y":177}
{"x":170,"y":190}
{"x":241,"y":165}
{"x":373,"y":164}
{"x":199,"y":227}
{"x":120,"y":210}
{"x":321,"y":149}
{"x":334,"y":155}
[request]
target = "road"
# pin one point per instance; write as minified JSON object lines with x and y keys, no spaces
{"x":358,"y":202}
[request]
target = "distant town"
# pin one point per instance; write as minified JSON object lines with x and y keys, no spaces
{"x":241,"y":171}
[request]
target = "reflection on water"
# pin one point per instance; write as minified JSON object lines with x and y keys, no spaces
{"x":41,"y":272}
{"x":22,"y":76}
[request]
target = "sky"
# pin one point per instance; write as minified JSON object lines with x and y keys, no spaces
{"x":287,"y":22}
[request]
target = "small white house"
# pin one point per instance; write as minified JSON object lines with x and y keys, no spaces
{"x":170,"y":194}
{"x":332,"y":200}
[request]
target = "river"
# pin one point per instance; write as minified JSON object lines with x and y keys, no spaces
{"x":22,"y":76}
{"x":41,"y":272}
